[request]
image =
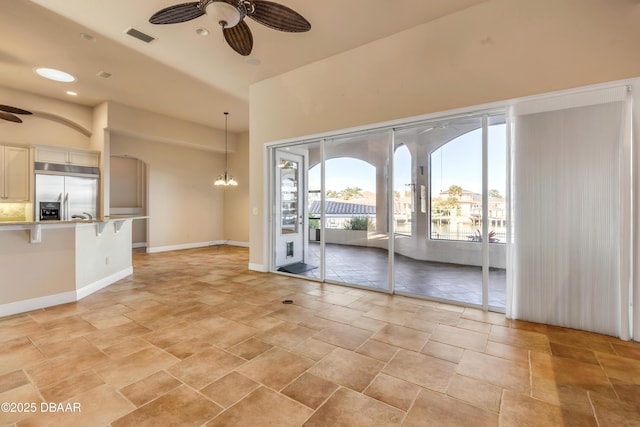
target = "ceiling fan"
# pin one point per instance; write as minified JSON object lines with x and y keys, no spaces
{"x":229,"y":14}
{"x":8,"y":112}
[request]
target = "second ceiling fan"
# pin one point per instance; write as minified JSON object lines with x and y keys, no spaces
{"x":7,"y":112}
{"x":230,"y":16}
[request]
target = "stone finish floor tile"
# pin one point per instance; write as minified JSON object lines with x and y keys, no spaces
{"x":181,"y":406}
{"x":203,"y":368}
{"x":571,"y":373}
{"x":229,"y":389}
{"x":264,"y":407}
{"x":393,"y":391}
{"x":310,"y":390}
{"x":348,"y":408}
{"x":194,"y":338}
{"x":149,"y":388}
{"x":475,"y":392}
{"x":401,"y":336}
{"x":343,"y":336}
{"x":518,"y":409}
{"x":347,"y":368}
{"x":421,"y":369}
{"x":276,"y":368}
{"x":442,"y":410}
{"x":494,"y":370}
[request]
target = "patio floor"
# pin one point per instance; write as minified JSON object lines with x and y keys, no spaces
{"x":369,"y":267}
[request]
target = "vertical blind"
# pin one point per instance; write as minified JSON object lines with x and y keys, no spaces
{"x":571,"y":247}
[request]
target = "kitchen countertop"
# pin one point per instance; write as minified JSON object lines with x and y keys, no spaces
{"x":110,"y":218}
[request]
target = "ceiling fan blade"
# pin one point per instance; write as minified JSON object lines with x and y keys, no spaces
{"x":10,"y":117}
{"x":239,"y":38}
{"x":177,"y":13}
{"x":14,"y":110}
{"x":279,"y":17}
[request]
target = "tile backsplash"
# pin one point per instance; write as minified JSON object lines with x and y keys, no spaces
{"x":13,"y":212}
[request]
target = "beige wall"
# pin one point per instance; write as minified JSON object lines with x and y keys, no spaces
{"x":498,"y":50}
{"x":236,"y":200}
{"x":187,"y":157}
{"x":183,"y":205}
{"x":36,"y":270}
{"x":157,"y":127}
{"x":53,"y":123}
{"x":104,"y":255}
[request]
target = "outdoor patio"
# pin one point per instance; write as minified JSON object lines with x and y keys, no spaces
{"x":369,"y":267}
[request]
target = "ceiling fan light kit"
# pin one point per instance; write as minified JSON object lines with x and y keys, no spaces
{"x":230,"y":14}
{"x":223,"y":13}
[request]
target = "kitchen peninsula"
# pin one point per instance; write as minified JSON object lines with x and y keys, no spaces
{"x":48,"y":263}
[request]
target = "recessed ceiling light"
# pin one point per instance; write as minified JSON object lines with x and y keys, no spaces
{"x":53,"y":74}
{"x":252,"y":60}
{"x":202,"y":32}
{"x":71,"y":93}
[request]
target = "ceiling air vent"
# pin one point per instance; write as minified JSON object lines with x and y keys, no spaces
{"x":140,"y":35}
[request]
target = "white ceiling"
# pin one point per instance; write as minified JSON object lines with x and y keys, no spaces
{"x":182,"y":74}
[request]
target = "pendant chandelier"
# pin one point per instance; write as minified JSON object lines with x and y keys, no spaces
{"x":225,"y":179}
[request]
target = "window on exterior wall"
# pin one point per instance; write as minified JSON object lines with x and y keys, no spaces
{"x":457,"y":187}
{"x":350,"y":193}
{"x":403,"y":191}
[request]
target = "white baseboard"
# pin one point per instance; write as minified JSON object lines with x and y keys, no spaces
{"x":257,"y":267}
{"x":36,"y":303}
{"x":180,"y":247}
{"x":139,"y":245}
{"x":103,"y":283}
{"x":240,"y":244}
{"x":196,"y":245}
{"x":63,"y":298}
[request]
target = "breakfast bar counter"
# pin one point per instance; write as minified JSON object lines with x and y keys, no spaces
{"x":55,"y":262}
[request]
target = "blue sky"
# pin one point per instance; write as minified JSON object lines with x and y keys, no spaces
{"x":459,"y":163}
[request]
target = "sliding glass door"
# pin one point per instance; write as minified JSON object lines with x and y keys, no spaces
{"x":450,"y":185}
{"x":419,"y":210}
{"x":356,"y":232}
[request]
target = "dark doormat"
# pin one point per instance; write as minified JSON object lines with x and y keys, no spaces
{"x":297,"y":268}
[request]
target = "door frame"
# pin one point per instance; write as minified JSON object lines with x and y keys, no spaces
{"x":301,"y":236}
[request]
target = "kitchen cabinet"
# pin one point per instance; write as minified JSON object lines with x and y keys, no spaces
{"x":67,"y":156}
{"x":14,"y":174}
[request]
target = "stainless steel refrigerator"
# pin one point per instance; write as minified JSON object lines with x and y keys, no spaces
{"x":65,"y":192}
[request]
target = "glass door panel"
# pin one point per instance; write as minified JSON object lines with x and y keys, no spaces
{"x":497,"y":211}
{"x":442,"y":257}
{"x":295,"y":249}
{"x":356,"y":210}
{"x":289,"y":234}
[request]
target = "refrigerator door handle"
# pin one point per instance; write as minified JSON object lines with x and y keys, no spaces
{"x":66,"y":207}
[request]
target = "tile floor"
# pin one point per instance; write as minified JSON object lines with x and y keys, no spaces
{"x":369,"y":267}
{"x":194,"y":338}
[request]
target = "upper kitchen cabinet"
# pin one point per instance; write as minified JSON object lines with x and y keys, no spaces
{"x":67,"y":156}
{"x":14,"y":174}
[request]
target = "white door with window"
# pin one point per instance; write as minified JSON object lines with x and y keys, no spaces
{"x":289,"y":208}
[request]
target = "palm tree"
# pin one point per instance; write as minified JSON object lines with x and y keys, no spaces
{"x":455,"y":190}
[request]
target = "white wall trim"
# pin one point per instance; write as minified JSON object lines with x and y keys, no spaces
{"x":102,"y":283}
{"x":139,"y":245}
{"x":37,"y":303}
{"x":257,"y":267}
{"x":63,"y":298}
{"x":184,"y":246}
{"x":234,"y":243}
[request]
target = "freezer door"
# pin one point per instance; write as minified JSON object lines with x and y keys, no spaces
{"x":49,"y":188}
{"x":81,"y":197}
